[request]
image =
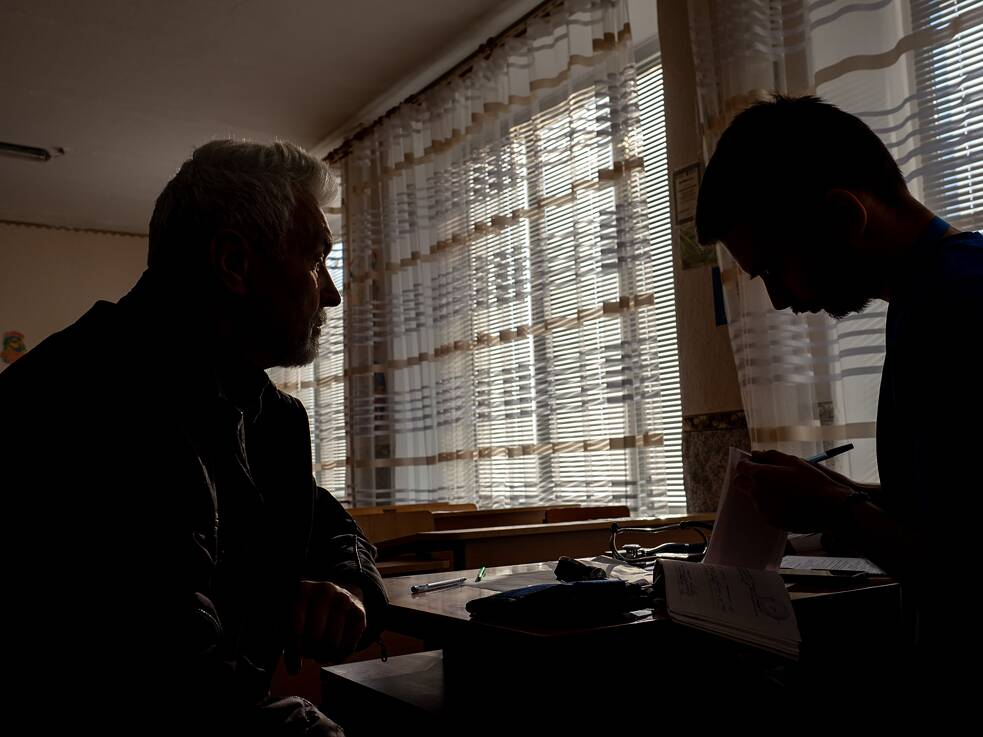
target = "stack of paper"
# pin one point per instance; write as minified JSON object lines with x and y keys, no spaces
{"x":752,"y":607}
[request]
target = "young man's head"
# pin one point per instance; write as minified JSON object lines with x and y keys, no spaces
{"x":792,"y":190}
{"x":241,"y":224}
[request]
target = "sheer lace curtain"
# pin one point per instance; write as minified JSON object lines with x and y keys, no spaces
{"x":502,"y":296}
{"x":913,"y":71}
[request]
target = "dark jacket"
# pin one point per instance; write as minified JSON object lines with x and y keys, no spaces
{"x":161,"y":511}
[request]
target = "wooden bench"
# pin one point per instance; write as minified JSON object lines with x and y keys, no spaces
{"x":466,"y":520}
{"x":578,"y":514}
{"x":385,"y":523}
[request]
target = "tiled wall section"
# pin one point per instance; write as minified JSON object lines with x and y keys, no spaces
{"x":706,"y":439}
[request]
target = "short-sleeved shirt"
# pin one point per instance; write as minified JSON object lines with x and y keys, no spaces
{"x":930,"y":411}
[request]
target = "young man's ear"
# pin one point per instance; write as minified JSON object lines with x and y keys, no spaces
{"x":230,"y":257}
{"x":844,"y":214}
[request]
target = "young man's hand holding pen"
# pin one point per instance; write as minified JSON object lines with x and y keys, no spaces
{"x":794,"y":494}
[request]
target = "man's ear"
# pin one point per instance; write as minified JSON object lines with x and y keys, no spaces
{"x":844,"y":214}
{"x":230,"y":257}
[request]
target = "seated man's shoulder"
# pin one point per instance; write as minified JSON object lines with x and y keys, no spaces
{"x":283,"y":405}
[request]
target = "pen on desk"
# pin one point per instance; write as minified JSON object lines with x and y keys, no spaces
{"x":437,"y":585}
{"x":827,"y":454}
{"x":481,"y":575}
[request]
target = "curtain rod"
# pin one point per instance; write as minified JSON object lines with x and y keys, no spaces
{"x":515,"y":30}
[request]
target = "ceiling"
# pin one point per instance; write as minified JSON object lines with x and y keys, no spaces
{"x":129,"y":87}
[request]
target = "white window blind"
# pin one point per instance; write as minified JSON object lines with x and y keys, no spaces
{"x":562,"y":359}
{"x":597,"y":383}
{"x":949,"y":80}
{"x":509,"y":317}
{"x":655,"y":194}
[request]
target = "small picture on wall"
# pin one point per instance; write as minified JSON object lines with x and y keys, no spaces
{"x":14,"y":346}
{"x":692,"y":254}
{"x":685,"y":189}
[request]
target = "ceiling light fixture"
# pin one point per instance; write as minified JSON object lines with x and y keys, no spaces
{"x":35,"y":153}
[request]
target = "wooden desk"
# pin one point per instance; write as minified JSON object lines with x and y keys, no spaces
{"x":471,"y":519}
{"x":411,"y":564}
{"x":581,"y":514}
{"x":515,"y":544}
{"x":440,"y":617}
{"x":402,"y":696}
{"x":849,"y":632}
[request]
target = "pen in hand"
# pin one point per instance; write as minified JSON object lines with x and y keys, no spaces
{"x":827,"y":454}
{"x":437,"y":585}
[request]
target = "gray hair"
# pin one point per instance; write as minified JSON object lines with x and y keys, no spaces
{"x":251,"y":188}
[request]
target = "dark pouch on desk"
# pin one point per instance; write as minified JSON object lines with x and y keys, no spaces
{"x":563,"y":604}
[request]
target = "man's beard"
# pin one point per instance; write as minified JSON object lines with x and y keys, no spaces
{"x":849,"y":291}
{"x":848,"y":307}
{"x":305,"y":352}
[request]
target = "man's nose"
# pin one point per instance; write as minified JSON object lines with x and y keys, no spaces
{"x":330,"y":297}
{"x":779,"y":297}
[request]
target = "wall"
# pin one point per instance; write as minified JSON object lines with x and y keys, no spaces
{"x":713,"y":418}
{"x":50,"y":276}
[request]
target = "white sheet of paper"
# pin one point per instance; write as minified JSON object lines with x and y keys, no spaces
{"x":810,"y":563}
{"x":616,"y":569}
{"x":741,"y":537}
{"x":514,"y":580}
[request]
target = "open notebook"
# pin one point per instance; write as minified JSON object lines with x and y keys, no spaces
{"x":752,"y":607}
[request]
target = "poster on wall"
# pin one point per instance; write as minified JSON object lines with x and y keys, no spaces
{"x":685,"y":188}
{"x":14,"y":346}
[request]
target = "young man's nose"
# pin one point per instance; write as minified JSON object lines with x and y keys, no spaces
{"x":779,"y":297}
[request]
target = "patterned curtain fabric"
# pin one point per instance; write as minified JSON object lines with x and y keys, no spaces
{"x":913,"y":71}
{"x":504,"y":303}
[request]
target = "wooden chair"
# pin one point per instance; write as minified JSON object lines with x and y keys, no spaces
{"x":399,"y":520}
